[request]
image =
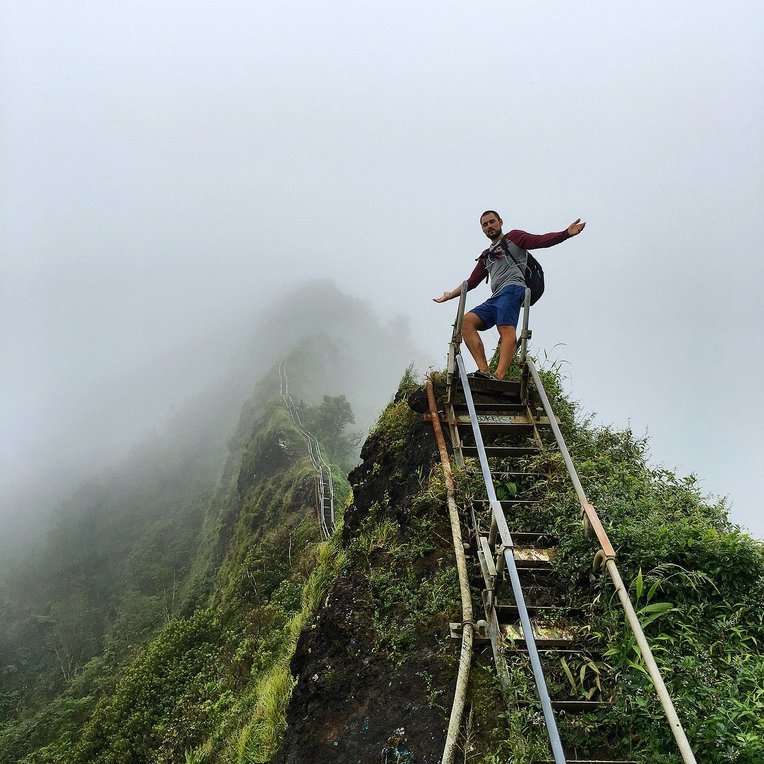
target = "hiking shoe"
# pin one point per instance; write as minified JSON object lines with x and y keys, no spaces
{"x":483,"y":375}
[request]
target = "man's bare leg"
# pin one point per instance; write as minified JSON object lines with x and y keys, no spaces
{"x":507,"y":348}
{"x":472,"y":322}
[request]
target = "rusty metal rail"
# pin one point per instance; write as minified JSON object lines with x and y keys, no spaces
{"x":606,"y":558}
{"x":468,"y":625}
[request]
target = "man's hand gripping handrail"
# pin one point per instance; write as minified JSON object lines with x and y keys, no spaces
{"x":456,"y":337}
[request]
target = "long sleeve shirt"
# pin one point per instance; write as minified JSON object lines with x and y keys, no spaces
{"x":502,"y":269}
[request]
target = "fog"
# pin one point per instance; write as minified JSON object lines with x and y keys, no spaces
{"x":171,"y":169}
{"x":188,"y":400}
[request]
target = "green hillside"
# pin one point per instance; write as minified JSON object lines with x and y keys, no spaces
{"x":186,"y":561}
{"x":165,"y":633}
{"x":186,"y":609}
{"x":375,"y":677}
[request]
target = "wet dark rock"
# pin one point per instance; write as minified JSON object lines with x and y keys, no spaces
{"x":351,"y":703}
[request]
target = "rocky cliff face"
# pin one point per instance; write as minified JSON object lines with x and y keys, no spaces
{"x":375,"y":670}
{"x":372,"y":669}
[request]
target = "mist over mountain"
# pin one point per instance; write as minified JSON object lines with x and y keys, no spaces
{"x":159,"y":531}
{"x":194,"y":390}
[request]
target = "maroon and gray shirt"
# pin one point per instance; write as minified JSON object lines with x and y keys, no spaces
{"x":501,"y":268}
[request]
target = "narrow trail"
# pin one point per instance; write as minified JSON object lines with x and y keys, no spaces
{"x":324,"y":481}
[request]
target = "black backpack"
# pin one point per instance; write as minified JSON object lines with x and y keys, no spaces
{"x":534,"y":273}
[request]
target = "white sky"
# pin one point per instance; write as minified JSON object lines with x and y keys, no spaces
{"x":164,"y":164}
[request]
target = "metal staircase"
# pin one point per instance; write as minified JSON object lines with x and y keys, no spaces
{"x":528,"y":616}
{"x":324,"y":483}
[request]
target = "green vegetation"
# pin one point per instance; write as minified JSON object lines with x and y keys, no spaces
{"x":410,"y":578}
{"x":167,"y":614}
{"x":170,"y":610}
{"x":697,"y":583}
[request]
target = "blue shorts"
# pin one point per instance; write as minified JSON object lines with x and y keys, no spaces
{"x":502,"y":309}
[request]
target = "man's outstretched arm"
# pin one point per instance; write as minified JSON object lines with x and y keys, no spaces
{"x":526,"y":240}
{"x":477,"y":275}
{"x":446,"y":296}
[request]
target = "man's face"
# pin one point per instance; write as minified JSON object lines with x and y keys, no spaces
{"x":491,"y":226}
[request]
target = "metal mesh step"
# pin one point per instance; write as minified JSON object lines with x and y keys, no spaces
{"x":545,"y":636}
{"x":533,"y":557}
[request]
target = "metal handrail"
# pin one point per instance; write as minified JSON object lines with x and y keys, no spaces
{"x":592,"y":524}
{"x":456,"y":337}
{"x":456,"y":363}
{"x":525,"y":333}
{"x":468,"y":625}
{"x":607,"y":553}
{"x":507,"y":547}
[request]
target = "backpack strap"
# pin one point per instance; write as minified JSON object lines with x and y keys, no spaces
{"x":511,"y":249}
{"x":484,"y":256}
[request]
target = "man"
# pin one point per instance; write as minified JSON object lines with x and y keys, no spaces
{"x":507,"y":274}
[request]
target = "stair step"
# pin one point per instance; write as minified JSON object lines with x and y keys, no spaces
{"x":579,"y":706}
{"x":492,"y":424}
{"x":545,"y":636}
{"x":493,"y":401}
{"x":557,"y":650}
{"x":501,"y":451}
{"x":500,"y":386}
{"x":537,"y":539}
{"x":532,"y":591}
{"x":572,"y":706}
{"x":489,"y":416}
{"x":533,"y":557}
